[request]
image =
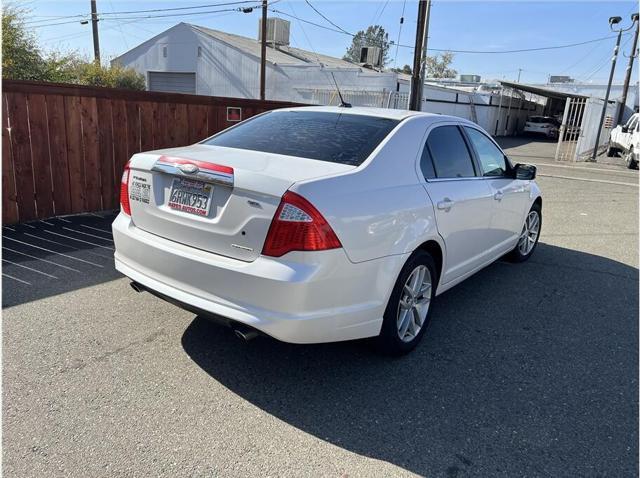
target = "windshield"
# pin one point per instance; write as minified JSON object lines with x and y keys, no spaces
{"x":335,"y":137}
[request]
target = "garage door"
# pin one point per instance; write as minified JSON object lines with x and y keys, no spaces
{"x":172,"y":82}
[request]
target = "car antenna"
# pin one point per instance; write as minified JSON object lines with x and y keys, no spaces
{"x":343,"y":104}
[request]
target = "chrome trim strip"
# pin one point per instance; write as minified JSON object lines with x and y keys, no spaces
{"x":202,"y":175}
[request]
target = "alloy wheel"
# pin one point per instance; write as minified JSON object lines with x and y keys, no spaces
{"x":414,"y":303}
{"x":530,"y":232}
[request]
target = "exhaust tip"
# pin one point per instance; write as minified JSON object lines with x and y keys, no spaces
{"x":135,"y":286}
{"x":245,"y":334}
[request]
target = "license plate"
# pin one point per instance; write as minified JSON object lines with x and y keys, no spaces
{"x":190,"y":196}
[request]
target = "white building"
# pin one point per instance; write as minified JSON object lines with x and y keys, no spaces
{"x":192,"y":59}
{"x":198,"y":60}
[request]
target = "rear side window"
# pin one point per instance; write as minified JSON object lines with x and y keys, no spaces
{"x":449,"y":152}
{"x":334,"y":137}
{"x":426,"y":164}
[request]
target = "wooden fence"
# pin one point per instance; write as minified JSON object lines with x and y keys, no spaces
{"x":64,"y":146}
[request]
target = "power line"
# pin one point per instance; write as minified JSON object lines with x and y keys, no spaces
{"x":57,"y":17}
{"x":304,"y":32}
{"x":60,"y":23}
{"x":103,"y":16}
{"x":323,"y":16}
{"x":124,"y":39}
{"x":181,"y":8}
{"x":381,"y":12}
{"x":484,"y":52}
{"x":144,"y":17}
{"x":395,"y":59}
{"x":606,"y":62}
{"x":255,"y":5}
{"x":153,"y":10}
{"x":589,"y":53}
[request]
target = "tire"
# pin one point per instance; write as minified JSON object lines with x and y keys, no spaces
{"x":611,"y":152}
{"x":399,"y":317}
{"x":628,"y":158}
{"x":521,"y":253}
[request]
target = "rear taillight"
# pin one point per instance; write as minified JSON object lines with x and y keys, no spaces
{"x":298,"y":226}
{"x":125,"y":207}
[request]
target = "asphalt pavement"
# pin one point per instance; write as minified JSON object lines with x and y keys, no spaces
{"x":526,"y":369}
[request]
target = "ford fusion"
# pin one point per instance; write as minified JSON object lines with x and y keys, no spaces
{"x":322,"y":224}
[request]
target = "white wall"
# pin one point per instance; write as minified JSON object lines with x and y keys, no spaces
{"x":223,"y":70}
{"x":182,"y":50}
{"x":511,"y":118}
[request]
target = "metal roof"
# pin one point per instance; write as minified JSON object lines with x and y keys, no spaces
{"x":540,"y":91}
{"x":283,"y":54}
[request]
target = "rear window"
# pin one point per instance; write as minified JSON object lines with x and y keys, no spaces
{"x":335,"y":137}
{"x":543,"y":119}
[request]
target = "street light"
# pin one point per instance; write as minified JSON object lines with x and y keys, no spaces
{"x":627,"y":76}
{"x":612,"y":21}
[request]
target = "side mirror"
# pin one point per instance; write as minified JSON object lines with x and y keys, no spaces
{"x":625,"y":129}
{"x":526,"y":172}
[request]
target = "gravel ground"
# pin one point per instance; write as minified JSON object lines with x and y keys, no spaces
{"x":526,"y":370}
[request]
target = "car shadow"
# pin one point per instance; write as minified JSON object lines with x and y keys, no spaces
{"x":526,"y":369}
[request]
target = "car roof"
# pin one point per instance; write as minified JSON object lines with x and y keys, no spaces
{"x":376,"y":112}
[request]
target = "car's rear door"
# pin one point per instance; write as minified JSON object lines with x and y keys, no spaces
{"x":461,"y":200}
{"x":510,"y":195}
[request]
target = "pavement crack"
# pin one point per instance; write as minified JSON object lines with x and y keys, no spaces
{"x":79,"y":364}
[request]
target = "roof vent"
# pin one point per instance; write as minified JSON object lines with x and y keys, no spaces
{"x":277,"y":31}
{"x":371,"y":55}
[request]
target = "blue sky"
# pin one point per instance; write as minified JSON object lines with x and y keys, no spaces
{"x":457,"y":25}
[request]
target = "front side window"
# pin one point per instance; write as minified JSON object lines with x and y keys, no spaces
{"x":449,"y":152}
{"x":335,"y":137}
{"x":492,"y":160}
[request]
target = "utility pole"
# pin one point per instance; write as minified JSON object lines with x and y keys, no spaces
{"x":263,"y":50}
{"x":424,"y":51}
{"x":612,"y":21}
{"x":94,"y":26}
{"x":627,"y":77}
{"x":519,"y":71}
{"x":416,"y":79}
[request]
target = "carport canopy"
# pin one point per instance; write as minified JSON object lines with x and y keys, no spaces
{"x":541,"y":91}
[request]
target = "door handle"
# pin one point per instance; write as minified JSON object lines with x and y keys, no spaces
{"x":446,"y":204}
{"x":498,"y":195}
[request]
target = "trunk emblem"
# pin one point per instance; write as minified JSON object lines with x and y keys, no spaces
{"x":188,"y":168}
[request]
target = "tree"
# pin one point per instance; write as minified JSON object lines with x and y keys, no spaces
{"x":375,"y":35}
{"x":116,"y":76}
{"x":438,"y":66}
{"x":23,"y":60}
{"x":405,"y":69}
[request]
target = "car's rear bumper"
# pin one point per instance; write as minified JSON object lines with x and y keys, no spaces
{"x":530,"y":130}
{"x":303,"y":297}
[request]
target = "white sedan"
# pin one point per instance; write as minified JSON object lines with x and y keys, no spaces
{"x":545,"y":125}
{"x":323,"y":224}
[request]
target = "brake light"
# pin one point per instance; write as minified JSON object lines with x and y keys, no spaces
{"x":125,"y":207}
{"x":298,"y":226}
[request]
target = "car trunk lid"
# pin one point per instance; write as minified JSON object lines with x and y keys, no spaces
{"x":216,"y":199}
